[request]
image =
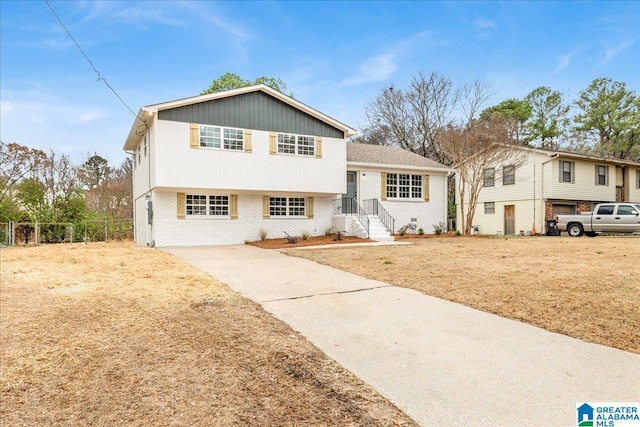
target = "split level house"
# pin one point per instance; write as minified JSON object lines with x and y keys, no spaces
{"x":519,"y":199}
{"x":239,"y":165}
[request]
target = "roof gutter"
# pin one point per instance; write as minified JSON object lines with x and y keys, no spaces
{"x":444,"y":170}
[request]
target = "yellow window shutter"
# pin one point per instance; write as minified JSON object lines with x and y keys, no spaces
{"x":383,"y":186}
{"x":182,"y":205}
{"x":265,"y":207}
{"x":248,"y":143}
{"x":309,"y":207}
{"x":273,"y":146}
{"x":319,"y":146}
{"x":194,"y":135}
{"x":425,"y":187}
{"x":233,"y":206}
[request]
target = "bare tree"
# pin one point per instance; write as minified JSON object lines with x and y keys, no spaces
{"x":108,"y":190}
{"x":374,"y":135}
{"x":416,"y":116}
{"x":475,"y":148}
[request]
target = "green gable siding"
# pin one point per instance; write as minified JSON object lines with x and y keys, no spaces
{"x":255,"y":110}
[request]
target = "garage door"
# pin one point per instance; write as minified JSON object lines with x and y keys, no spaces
{"x":559,"y":209}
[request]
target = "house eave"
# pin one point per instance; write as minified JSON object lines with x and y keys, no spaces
{"x":385,"y":166}
{"x":139,"y":128}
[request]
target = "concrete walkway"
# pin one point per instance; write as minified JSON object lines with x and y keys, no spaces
{"x":442,"y":363}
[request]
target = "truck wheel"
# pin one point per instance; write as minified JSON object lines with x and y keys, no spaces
{"x":575,"y":230}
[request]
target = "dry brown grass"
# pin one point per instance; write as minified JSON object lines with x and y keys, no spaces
{"x":111,"y":334}
{"x":582,"y":287}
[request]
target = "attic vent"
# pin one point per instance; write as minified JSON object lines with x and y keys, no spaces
{"x":414,"y":219}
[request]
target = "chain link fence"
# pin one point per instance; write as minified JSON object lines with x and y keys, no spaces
{"x":41,"y":233}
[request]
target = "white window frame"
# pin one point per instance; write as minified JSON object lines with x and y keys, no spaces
{"x":489,"y":208}
{"x":220,"y":138}
{"x":403,"y":186}
{"x":207,"y":205}
{"x":287,"y":207}
{"x":293,"y":144}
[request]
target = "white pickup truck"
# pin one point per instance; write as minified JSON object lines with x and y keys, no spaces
{"x":606,"y":218}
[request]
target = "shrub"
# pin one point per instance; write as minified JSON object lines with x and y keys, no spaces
{"x":327,"y":231}
{"x":263,"y":234}
{"x":403,"y":231}
{"x":458,"y":233}
{"x":421,"y":231}
{"x":305,"y":235}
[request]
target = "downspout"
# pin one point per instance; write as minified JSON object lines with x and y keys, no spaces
{"x":555,"y":156}
{"x":533,"y":230}
{"x":132,"y":198}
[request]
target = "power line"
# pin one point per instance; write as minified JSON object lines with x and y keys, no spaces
{"x":100,"y":78}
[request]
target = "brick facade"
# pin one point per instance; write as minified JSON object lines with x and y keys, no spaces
{"x":171,"y":231}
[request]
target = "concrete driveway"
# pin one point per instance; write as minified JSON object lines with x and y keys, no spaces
{"x":442,"y":363}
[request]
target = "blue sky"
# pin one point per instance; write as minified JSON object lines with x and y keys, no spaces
{"x":334,"y":56}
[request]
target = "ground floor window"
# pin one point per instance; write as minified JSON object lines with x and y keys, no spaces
{"x":404,"y":186}
{"x":287,"y":206}
{"x":489,"y":208}
{"x":207,"y":205}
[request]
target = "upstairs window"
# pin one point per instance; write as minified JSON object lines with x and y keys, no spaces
{"x":489,"y":177}
{"x":602,"y":175}
{"x":296,"y":144}
{"x":508,"y":175}
{"x":221,"y":138}
{"x":567,"y":171}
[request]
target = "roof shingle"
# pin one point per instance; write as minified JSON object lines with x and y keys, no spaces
{"x":387,"y":155}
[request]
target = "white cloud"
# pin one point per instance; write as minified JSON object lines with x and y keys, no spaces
{"x":89,"y":116}
{"x":375,"y":69}
{"x":484,"y":23}
{"x":611,"y":52}
{"x":383,"y":66}
{"x":220,"y":21}
{"x":485,"y":28}
{"x":563,"y":62}
{"x":5,"y":107}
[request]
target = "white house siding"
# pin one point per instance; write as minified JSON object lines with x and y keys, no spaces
{"x":584,"y":187}
{"x":201,"y":231}
{"x":141,"y":167}
{"x":179,"y":166}
{"x":427,"y":214}
{"x":525,"y":195}
{"x":634,"y":185}
{"x":494,"y":223}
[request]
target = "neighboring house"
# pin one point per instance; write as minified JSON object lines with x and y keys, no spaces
{"x":519,"y":199}
{"x":228,"y":167}
{"x":399,"y":187}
